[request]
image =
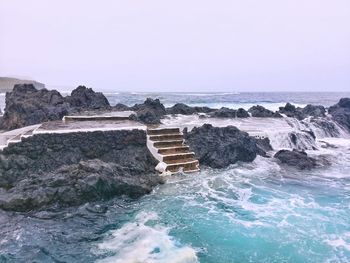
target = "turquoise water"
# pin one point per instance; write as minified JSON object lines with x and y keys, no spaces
{"x":257,"y":212}
{"x":248,"y":213}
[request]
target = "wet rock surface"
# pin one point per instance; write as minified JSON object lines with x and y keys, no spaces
{"x":297,"y":159}
{"x":341,"y":112}
{"x":26,"y":105}
{"x":64,"y":170}
{"x":181,"y":108}
{"x":224,"y":113}
{"x":219,"y":147}
{"x":261,"y":112}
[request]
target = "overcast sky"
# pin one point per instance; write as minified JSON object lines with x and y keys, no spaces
{"x":180,"y":45}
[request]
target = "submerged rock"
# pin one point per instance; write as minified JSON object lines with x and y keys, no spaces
{"x":261,"y":112}
{"x":181,"y":108}
{"x":63,"y":169}
{"x":297,"y":159}
{"x":341,"y":112}
{"x":26,"y":105}
{"x":219,"y":147}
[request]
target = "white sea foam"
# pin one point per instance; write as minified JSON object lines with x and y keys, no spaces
{"x":144,"y":241}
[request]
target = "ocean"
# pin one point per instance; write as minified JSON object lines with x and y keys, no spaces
{"x":248,"y":212}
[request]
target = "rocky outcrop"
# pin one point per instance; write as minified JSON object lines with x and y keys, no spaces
{"x":26,"y":105}
{"x":219,"y":147}
{"x":229,"y":113}
{"x":297,"y":159}
{"x":340,"y":112}
{"x":64,"y":170}
{"x":224,"y":113}
{"x":181,"y":108}
{"x":291,"y":111}
{"x":86,"y":98}
{"x":301,"y":113}
{"x":150,"y":112}
{"x":261,"y":112}
{"x":264,"y":146}
{"x":314,"y":111}
{"x":242,"y":113}
{"x":121,"y":107}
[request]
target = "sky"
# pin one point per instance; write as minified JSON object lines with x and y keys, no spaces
{"x":181,"y":45}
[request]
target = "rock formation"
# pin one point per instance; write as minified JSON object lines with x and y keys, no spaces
{"x":261,"y":112}
{"x":181,"y":108}
{"x":150,"y":112}
{"x":297,"y":159}
{"x":64,"y":170}
{"x":219,"y":147}
{"x":26,"y":105}
{"x":86,"y":98}
{"x":341,"y":112}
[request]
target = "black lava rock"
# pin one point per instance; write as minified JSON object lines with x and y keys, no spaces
{"x":219,"y":147}
{"x":181,"y":108}
{"x":297,"y":159}
{"x":261,"y":112}
{"x":63,"y":169}
{"x":341,"y":112}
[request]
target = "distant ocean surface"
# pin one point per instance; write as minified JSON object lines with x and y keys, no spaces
{"x":249,"y":212}
{"x":270,"y":100}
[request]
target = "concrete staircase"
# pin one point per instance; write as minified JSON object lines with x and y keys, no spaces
{"x":168,"y":146}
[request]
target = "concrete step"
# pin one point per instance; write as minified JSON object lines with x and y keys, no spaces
{"x":178,"y":156}
{"x":186,"y":166}
{"x":174,"y":150}
{"x":166,"y":137}
{"x":163,"y":131}
{"x":165,"y":144}
{"x":176,"y":161}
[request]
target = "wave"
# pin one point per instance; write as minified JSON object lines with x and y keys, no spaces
{"x":145,"y":241}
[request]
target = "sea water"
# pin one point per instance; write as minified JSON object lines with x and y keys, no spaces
{"x":248,"y":212}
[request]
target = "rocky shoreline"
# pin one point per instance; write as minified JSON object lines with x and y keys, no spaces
{"x":73,"y":168}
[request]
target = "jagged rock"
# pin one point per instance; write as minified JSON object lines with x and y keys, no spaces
{"x":263,"y":145}
{"x":219,"y":147}
{"x":150,"y":112}
{"x":26,"y":105}
{"x":62,"y":169}
{"x":297,"y":159}
{"x":341,"y":112}
{"x":327,"y":126}
{"x":181,"y":108}
{"x":261,"y":112}
{"x":86,"y":98}
{"x":121,"y":107}
{"x":242,"y":113}
{"x":224,"y":113}
{"x":314,"y":110}
{"x":72,"y":185}
{"x":291,"y":111}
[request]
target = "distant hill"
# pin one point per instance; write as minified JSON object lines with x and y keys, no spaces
{"x":6,"y":84}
